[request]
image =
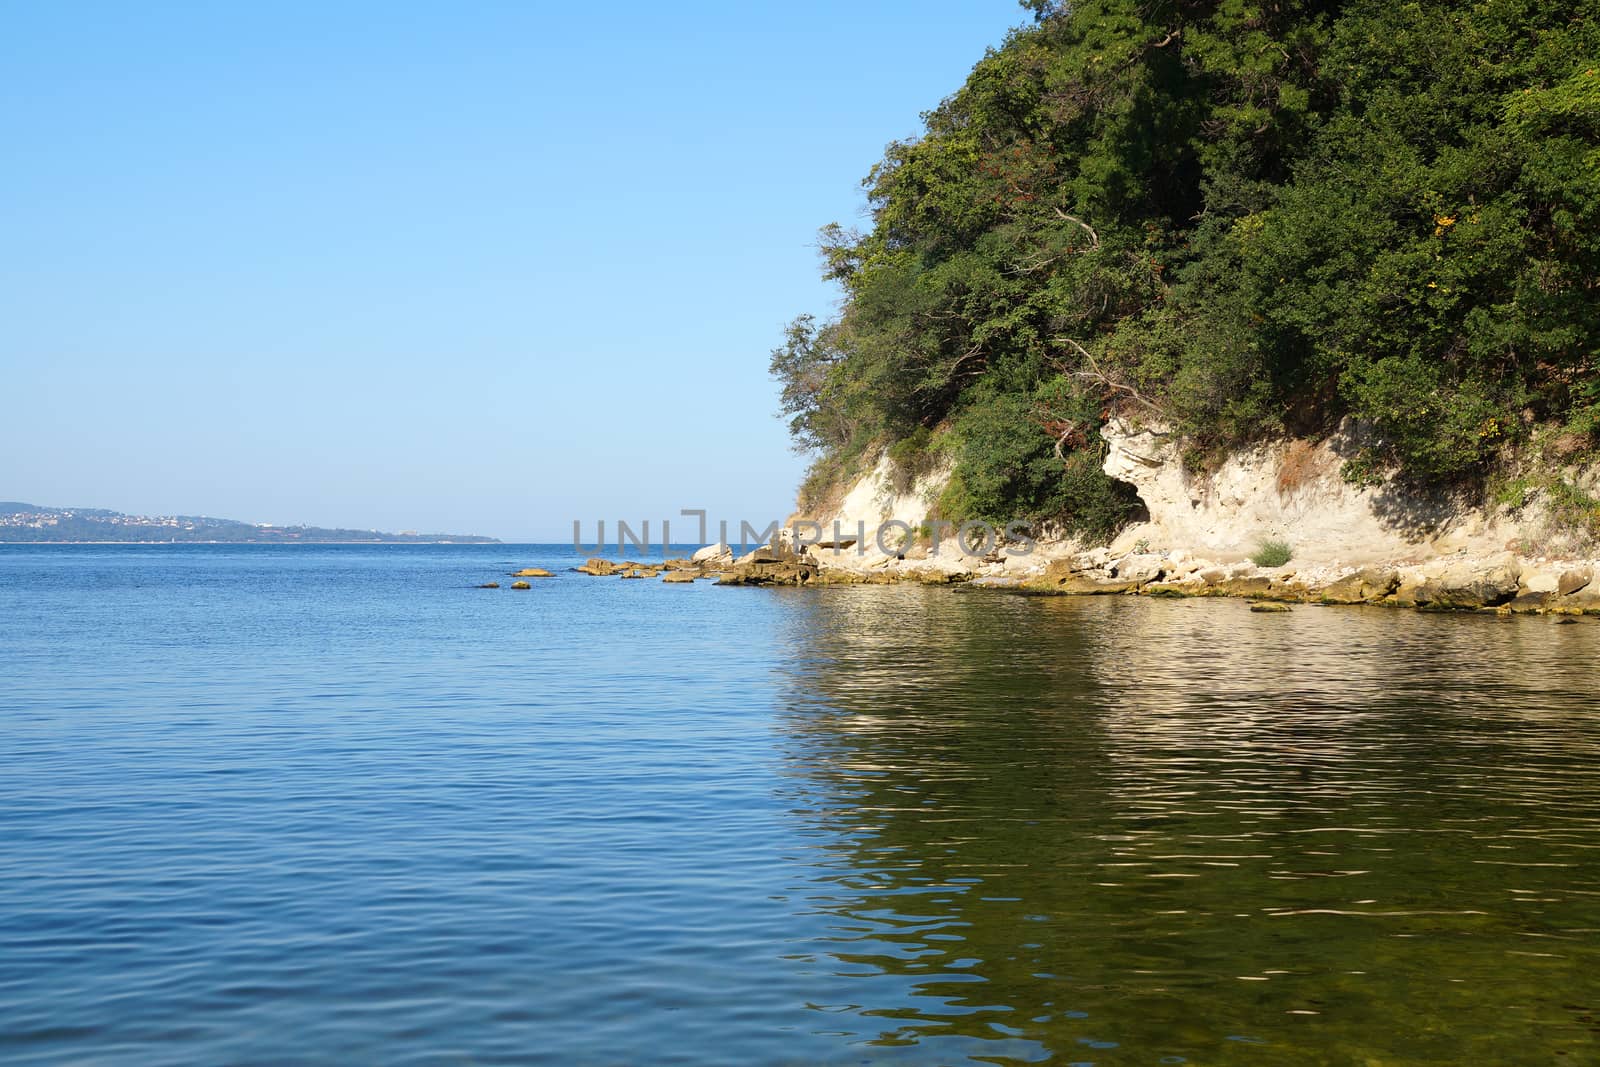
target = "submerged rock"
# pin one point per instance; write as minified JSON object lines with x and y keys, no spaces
{"x":521,"y":585}
{"x":490,"y":585}
{"x":1270,"y":606}
{"x":639,"y":571}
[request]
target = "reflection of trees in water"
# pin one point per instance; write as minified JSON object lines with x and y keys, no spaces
{"x":1039,"y":823}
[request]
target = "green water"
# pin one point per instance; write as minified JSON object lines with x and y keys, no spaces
{"x":1118,"y":830}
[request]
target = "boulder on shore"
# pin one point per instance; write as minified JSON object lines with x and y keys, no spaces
{"x":1066,"y":578}
{"x":768,"y":554}
{"x":1573,"y":581}
{"x":769,"y":572}
{"x":712,"y":556}
{"x":1468,"y":586}
{"x":1366,"y":586}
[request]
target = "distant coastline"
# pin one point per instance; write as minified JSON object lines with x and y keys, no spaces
{"x":302,"y":541}
{"x":32,"y":524}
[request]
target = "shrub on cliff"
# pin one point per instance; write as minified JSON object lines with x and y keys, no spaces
{"x":1273,"y":552}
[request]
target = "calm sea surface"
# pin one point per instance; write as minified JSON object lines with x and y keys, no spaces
{"x":266,"y":805}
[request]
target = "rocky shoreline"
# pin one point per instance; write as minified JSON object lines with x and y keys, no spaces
{"x":1203,"y":535}
{"x":1506,"y":584}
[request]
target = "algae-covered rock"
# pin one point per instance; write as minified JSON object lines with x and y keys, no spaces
{"x":1270,"y":606}
{"x":1585,"y":601}
{"x":1531,"y":602}
{"x":1471,"y":586}
{"x":1243,"y":587}
{"x":1410,"y":591}
{"x":1193,"y":585}
{"x":1367,"y":586}
{"x":769,"y":572}
{"x":1064,"y":578}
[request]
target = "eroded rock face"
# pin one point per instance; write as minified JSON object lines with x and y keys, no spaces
{"x":1291,"y":489}
{"x":712,"y":556}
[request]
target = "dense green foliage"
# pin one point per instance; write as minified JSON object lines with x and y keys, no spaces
{"x":1235,"y":217}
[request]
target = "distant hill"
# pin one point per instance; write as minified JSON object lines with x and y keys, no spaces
{"x":31,"y":523}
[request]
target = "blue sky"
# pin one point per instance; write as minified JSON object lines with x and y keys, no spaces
{"x":483,"y":267}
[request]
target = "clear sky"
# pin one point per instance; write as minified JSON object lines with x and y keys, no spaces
{"x":479,"y":267}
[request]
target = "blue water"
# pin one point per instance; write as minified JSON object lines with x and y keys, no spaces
{"x":335,"y":805}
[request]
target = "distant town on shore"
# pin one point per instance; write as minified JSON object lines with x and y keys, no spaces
{"x":30,"y":523}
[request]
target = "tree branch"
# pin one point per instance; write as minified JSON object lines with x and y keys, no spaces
{"x":1113,"y":384}
{"x":1086,"y":227}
